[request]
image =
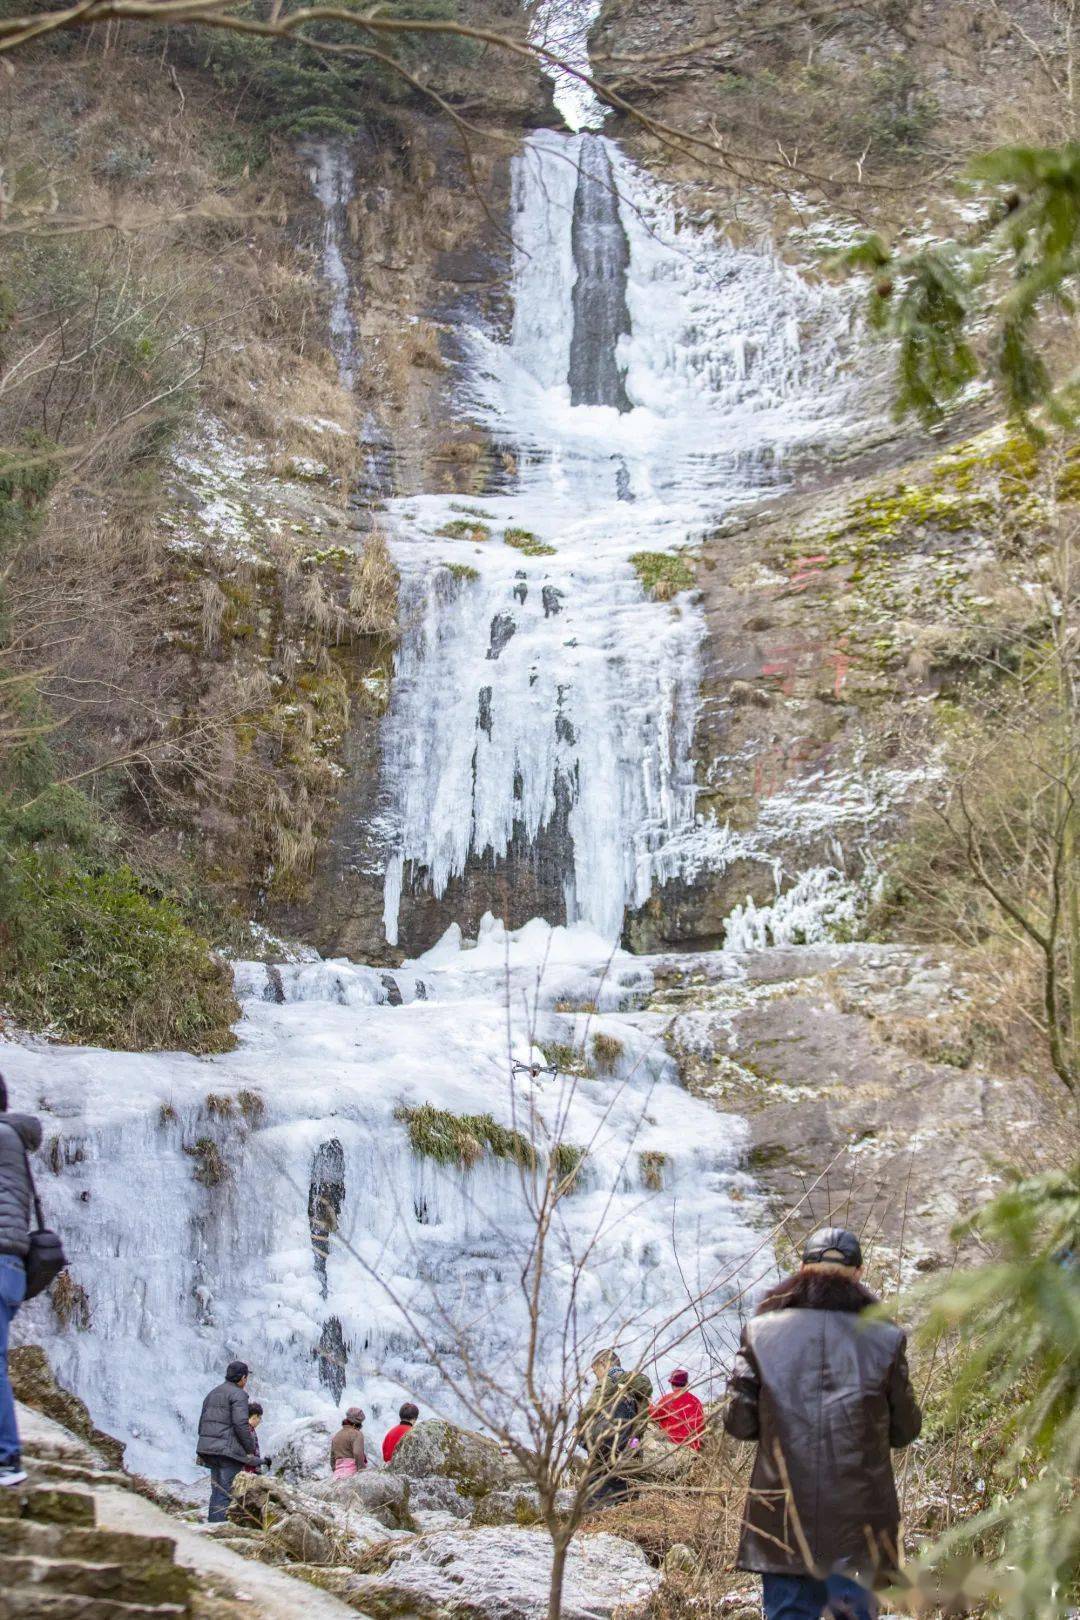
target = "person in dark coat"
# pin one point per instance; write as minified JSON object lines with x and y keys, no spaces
{"x":826,"y":1394}
{"x":20,"y":1134}
{"x":609,"y":1427}
{"x":226,"y":1439}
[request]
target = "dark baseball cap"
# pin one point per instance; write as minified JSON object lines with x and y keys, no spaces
{"x":834,"y":1247}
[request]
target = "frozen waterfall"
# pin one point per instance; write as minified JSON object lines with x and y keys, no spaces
{"x":645,"y":391}
{"x":269,"y":1203}
{"x":601,"y":256}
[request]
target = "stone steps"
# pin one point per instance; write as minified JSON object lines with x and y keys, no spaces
{"x":56,"y":1564}
{"x":44,"y":1467}
{"x":142,"y":1581}
{"x":23,"y":1603}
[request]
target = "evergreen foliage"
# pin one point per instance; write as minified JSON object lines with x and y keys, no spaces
{"x":94,"y":952}
{"x":1020,"y":267}
{"x":298,"y":90}
{"x":1018,"y":1317}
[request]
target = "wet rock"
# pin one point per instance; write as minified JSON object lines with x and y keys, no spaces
{"x":745,"y":692}
{"x":503,"y":1574}
{"x":502,"y":628}
{"x":472,"y":1461}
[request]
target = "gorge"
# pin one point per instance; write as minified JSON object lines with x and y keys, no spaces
{"x":593,"y":947}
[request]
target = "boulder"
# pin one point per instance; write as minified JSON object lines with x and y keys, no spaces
{"x":438,"y":1495}
{"x":680,"y":1559}
{"x":472,"y":1461}
{"x":383,"y":1496}
{"x":302,"y":1451}
{"x":428,"y":1519}
{"x":503,"y":1574}
{"x":303,"y":1541}
{"x":518,"y":1505}
{"x":262,"y":1503}
{"x":661,"y":1459}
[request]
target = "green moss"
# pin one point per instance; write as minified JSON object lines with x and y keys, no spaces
{"x":652,"y":1163}
{"x":524,"y":540}
{"x":91,"y":950}
{"x":767,"y":1156}
{"x":462,"y":571}
{"x":462,"y":1139}
{"x":662,"y":574}
{"x":465,"y":529}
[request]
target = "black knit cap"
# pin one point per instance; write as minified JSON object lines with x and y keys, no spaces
{"x":235,"y":1371}
{"x":833,"y":1246}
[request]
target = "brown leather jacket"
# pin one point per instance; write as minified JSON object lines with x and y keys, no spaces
{"x":825,"y":1394}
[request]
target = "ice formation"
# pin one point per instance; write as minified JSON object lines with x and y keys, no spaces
{"x":549,"y":686}
{"x":268,"y":1203}
{"x":194,"y":1193}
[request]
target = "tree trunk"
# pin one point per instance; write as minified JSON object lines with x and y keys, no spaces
{"x":560,"y":1545}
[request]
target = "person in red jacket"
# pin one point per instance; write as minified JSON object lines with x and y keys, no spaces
{"x":407,"y":1417}
{"x":680,"y":1414}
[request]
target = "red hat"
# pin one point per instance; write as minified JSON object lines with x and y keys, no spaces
{"x":679,"y":1378}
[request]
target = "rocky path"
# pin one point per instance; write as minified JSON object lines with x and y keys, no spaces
{"x":78,"y":1543}
{"x":272,"y":1593}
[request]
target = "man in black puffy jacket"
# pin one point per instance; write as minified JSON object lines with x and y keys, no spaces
{"x":226,"y":1439}
{"x":826,"y":1394}
{"x":19,"y":1134}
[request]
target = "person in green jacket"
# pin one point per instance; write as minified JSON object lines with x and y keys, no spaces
{"x":610,"y":1426}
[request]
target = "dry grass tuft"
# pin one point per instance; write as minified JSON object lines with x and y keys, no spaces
{"x":373,"y":590}
{"x":607,"y":1050}
{"x":70,"y":1302}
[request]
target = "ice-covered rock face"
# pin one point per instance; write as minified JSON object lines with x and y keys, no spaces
{"x":185,"y":1196}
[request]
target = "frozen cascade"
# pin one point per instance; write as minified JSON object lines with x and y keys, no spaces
{"x":267,"y":1202}
{"x":548,"y":691}
{"x":333,"y":175}
{"x":196,"y":1195}
{"x":602,"y":256}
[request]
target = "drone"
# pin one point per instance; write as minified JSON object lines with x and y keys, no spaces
{"x":532,"y":1070}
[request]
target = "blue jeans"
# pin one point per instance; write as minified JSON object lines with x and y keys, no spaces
{"x":801,"y":1597}
{"x":223,"y":1470}
{"x":12,"y":1294}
